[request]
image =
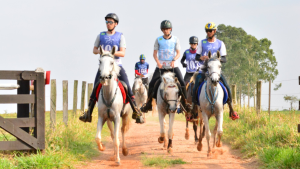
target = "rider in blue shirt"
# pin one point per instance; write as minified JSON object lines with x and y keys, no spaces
{"x":107,"y":40}
{"x":189,"y":56}
{"x":212,"y":44}
{"x":166,"y":52}
{"x":141,"y":69}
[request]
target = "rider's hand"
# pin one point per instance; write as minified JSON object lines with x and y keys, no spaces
{"x":159,"y":65}
{"x":173,"y":64}
{"x":204,"y":57}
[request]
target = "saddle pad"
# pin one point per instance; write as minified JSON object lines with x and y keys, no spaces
{"x":223,"y":87}
{"x":121,"y":88}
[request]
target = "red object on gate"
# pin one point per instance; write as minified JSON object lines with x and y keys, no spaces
{"x":47,"y":80}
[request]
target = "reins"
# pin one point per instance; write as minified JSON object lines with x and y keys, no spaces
{"x":108,"y":105}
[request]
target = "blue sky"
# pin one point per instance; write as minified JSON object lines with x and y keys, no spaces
{"x":59,"y":35}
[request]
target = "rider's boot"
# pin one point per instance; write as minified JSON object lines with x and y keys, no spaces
{"x":183,"y":100}
{"x":233,"y":114}
{"x":148,"y":105}
{"x":137,"y":115}
{"x":87,"y":116}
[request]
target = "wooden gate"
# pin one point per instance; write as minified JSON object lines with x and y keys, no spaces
{"x":19,"y":127}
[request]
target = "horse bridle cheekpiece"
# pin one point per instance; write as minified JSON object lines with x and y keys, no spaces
{"x":164,"y":97}
{"x":110,"y":75}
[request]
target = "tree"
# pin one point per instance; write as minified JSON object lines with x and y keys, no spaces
{"x":248,"y":59}
{"x":291,"y":99}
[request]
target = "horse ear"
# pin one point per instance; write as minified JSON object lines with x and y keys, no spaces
{"x":165,"y":81}
{"x":176,"y":80}
{"x":209,"y":54}
{"x":101,"y":50}
{"x":113,"y":51}
{"x":218,"y":54}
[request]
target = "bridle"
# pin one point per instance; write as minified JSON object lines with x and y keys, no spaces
{"x":110,"y":73}
{"x":163,"y":97}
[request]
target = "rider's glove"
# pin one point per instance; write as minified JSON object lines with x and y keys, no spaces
{"x":184,"y":65}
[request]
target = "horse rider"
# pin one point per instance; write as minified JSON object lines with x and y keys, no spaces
{"x":107,"y":40}
{"x":141,"y":69}
{"x":166,"y":52}
{"x":189,"y":56}
{"x":211,"y":43}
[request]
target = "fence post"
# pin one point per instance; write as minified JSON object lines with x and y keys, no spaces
{"x":233,"y":94}
{"x":83,"y":95}
{"x":258,"y":92}
{"x":269,"y":99}
{"x":53,"y":104}
{"x":90,"y":89}
{"x":75,"y":98}
{"x":65,"y":102}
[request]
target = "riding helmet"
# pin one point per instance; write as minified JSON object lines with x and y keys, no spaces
{"x":112,"y":16}
{"x":193,"y":40}
{"x":142,"y":57}
{"x":166,"y":24}
{"x":210,"y":26}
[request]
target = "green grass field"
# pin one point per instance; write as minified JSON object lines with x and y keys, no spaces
{"x":66,"y":147}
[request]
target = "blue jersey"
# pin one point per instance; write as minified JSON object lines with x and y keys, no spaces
{"x":107,"y":43}
{"x":142,"y":68}
{"x":213,"y":47}
{"x":191,"y":64}
{"x":166,"y":51}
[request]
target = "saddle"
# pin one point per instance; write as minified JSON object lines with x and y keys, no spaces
{"x":123,"y":87}
{"x":223,"y":87}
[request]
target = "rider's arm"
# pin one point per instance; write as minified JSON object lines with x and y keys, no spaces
{"x":223,"y":59}
{"x":198,"y":57}
{"x":155,"y":56}
{"x":156,"y":47}
{"x":223,"y":53}
{"x":121,"y":53}
{"x":182,"y":60}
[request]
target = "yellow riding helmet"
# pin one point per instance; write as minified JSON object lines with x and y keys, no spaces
{"x":211,"y":26}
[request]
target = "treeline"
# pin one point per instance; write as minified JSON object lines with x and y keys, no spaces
{"x":248,"y":59}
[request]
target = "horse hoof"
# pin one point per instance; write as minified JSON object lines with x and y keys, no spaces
{"x":219,"y":144}
{"x":199,"y":147}
{"x":101,"y":147}
{"x":209,"y":155}
{"x":118,"y":163}
{"x":187,"y":135}
{"x":160,"y":140}
{"x":170,"y":151}
{"x":125,"y":151}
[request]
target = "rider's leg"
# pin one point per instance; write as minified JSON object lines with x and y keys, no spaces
{"x":145,"y":82}
{"x":187,"y":77}
{"x":148,"y":106}
{"x":183,"y":93}
{"x":87,"y":116}
{"x":232,"y":113}
{"x":200,"y":78}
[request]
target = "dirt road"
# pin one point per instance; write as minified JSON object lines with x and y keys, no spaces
{"x":142,"y":139}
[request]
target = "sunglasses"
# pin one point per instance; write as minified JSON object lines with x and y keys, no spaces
{"x":109,"y":22}
{"x":210,"y":30}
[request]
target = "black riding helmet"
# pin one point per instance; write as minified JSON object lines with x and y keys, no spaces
{"x":165,"y":24}
{"x":112,"y":16}
{"x":194,"y":39}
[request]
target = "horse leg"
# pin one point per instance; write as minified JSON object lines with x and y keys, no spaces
{"x":125,"y":127}
{"x":187,"y":134}
{"x":100,"y":123}
{"x":207,"y":133}
{"x":201,"y":135}
{"x":161,"y":139}
{"x":195,"y":125}
{"x":116,"y":139}
{"x":220,"y":129}
{"x":215,"y":134}
{"x":170,"y":133}
{"x":109,"y":124}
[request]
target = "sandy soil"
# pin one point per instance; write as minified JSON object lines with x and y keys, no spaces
{"x":142,"y":139}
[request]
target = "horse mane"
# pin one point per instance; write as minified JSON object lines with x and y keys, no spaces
{"x":169,"y":76}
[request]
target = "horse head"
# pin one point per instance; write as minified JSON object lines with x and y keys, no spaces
{"x":138,"y":83}
{"x":107,"y":66}
{"x":214,"y":67}
{"x":170,"y":94}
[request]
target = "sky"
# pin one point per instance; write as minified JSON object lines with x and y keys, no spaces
{"x":59,"y":36}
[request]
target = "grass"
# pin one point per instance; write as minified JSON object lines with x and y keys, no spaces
{"x":273,"y":140}
{"x":160,"y":161}
{"x":66,"y":147}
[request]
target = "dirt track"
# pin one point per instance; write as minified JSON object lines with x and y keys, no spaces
{"x":143,"y":138}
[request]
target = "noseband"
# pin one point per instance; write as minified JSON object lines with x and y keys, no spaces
{"x":167,"y":101}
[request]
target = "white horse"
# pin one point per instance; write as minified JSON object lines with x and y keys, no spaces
{"x":140,"y":93}
{"x":167,"y":102}
{"x":211,"y":102}
{"x":110,"y":104}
